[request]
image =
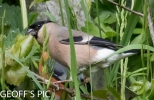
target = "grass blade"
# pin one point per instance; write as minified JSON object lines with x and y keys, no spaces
{"x":131,"y":23}
{"x":73,"y":65}
{"x":24,"y":13}
{"x":3,"y":54}
{"x":61,"y":12}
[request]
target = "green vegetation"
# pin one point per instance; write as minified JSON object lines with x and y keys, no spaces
{"x":131,"y":78}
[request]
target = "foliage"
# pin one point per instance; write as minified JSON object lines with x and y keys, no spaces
{"x":129,"y":28}
{"x":13,"y":19}
{"x":132,"y":77}
{"x":37,"y":1}
{"x":106,"y":19}
{"x":15,"y":73}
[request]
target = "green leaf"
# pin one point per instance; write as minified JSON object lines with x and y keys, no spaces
{"x":15,"y":75}
{"x":10,"y":38}
{"x":13,"y":19}
{"x":37,"y":1}
{"x":26,"y":69}
{"x":138,"y":31}
{"x":107,"y":17}
{"x":151,"y":3}
{"x":138,"y":74}
{"x":93,"y":30}
{"x":20,"y":49}
{"x":152,"y":57}
{"x":134,"y":62}
{"x":51,"y":17}
{"x":83,"y":88}
{"x":110,"y":34}
{"x":32,"y":3}
{"x":151,"y":96}
{"x":102,"y":7}
{"x":114,"y":93}
{"x":73,"y":62}
{"x":32,"y":17}
{"x":110,"y":19}
{"x":73,"y":18}
{"x":132,"y":21}
{"x":140,"y":87}
{"x":30,"y":55}
{"x":138,"y":39}
{"x":1,"y":1}
{"x":17,"y":38}
{"x":152,"y":81}
{"x":137,"y":71}
{"x":101,"y":94}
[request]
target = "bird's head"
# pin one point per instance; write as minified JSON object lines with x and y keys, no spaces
{"x":35,"y":27}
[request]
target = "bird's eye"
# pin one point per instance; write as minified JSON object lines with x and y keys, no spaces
{"x":39,"y":25}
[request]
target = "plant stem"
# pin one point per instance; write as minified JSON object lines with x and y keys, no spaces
{"x":3,"y":54}
{"x":88,"y":19}
{"x":61,"y":12}
{"x":73,"y":65}
{"x":123,"y":80}
{"x":97,"y":7}
{"x":24,"y":13}
{"x":134,"y":12}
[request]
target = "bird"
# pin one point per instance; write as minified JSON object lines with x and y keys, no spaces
{"x":89,"y":49}
{"x":58,"y":73}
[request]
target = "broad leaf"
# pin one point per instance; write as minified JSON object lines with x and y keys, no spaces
{"x":140,"y":87}
{"x":12,"y":19}
{"x":15,"y":73}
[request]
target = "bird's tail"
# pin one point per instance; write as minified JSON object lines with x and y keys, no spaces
{"x":135,"y":51}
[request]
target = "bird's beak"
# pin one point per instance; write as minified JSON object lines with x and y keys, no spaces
{"x":31,"y":31}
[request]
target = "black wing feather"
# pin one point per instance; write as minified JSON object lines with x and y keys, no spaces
{"x":95,"y":41}
{"x":76,"y":39}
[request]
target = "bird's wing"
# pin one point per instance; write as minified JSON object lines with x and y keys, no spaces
{"x":82,"y":38}
{"x":100,"y":42}
{"x":60,"y":72}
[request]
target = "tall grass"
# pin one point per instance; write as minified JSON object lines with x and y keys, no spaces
{"x":97,"y":6}
{"x":24,"y":13}
{"x":61,"y":13}
{"x":25,"y":24}
{"x":125,"y":25}
{"x":3,"y":55}
{"x":73,"y":65}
